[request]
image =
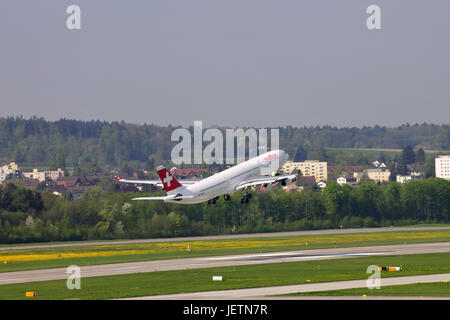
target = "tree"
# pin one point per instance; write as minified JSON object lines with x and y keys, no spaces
{"x":393,"y":175}
{"x":369,"y":199}
{"x":381,"y":157}
{"x":420,"y":156}
{"x":443,"y":139}
{"x":108,"y":184}
{"x":408,"y":155}
{"x":429,"y":168}
{"x":300,"y":155}
{"x":335,"y":200}
{"x":402,"y":168}
{"x":392,"y":196}
{"x":60,"y":159}
{"x":126,"y":170}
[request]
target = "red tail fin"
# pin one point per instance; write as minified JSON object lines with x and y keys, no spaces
{"x":169,"y":181}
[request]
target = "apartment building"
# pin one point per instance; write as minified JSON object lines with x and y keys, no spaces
{"x":442,"y":167}
{"x":378,"y":175}
{"x":11,"y":168}
{"x":42,"y":175}
{"x":315,"y":168}
{"x":8,"y":171}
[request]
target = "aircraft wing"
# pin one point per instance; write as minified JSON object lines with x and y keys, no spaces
{"x":169,"y":197}
{"x":156,"y":183}
{"x":267,"y":180}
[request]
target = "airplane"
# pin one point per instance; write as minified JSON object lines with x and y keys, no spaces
{"x":241,"y":176}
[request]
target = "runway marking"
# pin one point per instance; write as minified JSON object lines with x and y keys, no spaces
{"x":339,"y":255}
{"x":294,"y":255}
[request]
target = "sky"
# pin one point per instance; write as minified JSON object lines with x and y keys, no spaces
{"x":261,"y":63}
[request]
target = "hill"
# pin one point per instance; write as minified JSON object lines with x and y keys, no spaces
{"x":75,"y":143}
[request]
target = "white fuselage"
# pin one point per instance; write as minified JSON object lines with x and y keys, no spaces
{"x":225,"y":182}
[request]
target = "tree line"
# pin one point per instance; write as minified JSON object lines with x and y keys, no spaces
{"x":101,"y":144}
{"x":39,"y":216}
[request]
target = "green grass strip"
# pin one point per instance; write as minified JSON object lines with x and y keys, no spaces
{"x":104,"y":253}
{"x":433,"y":289}
{"x":248,"y":276}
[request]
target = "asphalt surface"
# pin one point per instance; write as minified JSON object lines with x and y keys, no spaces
{"x":221,"y":237}
{"x":265,"y":292}
{"x":221,"y":261}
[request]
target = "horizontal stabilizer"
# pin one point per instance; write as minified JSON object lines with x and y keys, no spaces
{"x":170,"y":197}
{"x":149,"y":198}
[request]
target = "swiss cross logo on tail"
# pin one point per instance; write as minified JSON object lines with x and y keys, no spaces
{"x":170,"y":182}
{"x":167,"y":179}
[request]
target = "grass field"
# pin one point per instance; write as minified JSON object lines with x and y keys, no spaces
{"x":370,"y":153}
{"x":435,"y":289}
{"x":375,"y":152}
{"x":169,"y":282}
{"x":15,"y":260}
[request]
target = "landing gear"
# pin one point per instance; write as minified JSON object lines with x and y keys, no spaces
{"x":226,"y":197}
{"x":213,"y":200}
{"x":247,"y":196}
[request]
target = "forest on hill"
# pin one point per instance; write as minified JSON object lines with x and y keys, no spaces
{"x":75,"y":143}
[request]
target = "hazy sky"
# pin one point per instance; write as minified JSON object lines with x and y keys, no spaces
{"x":227,"y":62}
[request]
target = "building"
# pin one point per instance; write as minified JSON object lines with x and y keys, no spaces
{"x":55,"y":188}
{"x":32,"y":174}
{"x":341,"y":181}
{"x":69,"y":182}
{"x":54,"y":175}
{"x":10,"y":168}
{"x":344,"y":180}
{"x":73,"y":187}
{"x":42,"y":176}
{"x":402,"y":179}
{"x":412,"y":176}
{"x":358,"y":176}
{"x":315,"y":168}
{"x":347,"y":169}
{"x":292,"y":187}
{"x":378,"y":164}
{"x":306,"y":180}
{"x":442,"y":167}
{"x":9,"y":171}
{"x":321,"y":184}
{"x":378,"y":175}
{"x":90,"y":181}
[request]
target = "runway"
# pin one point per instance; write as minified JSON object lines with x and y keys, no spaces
{"x":266,"y":292}
{"x":221,"y":261}
{"x":222,"y":237}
